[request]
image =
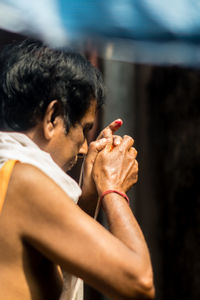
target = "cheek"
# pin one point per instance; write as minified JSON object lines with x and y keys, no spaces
{"x":74,"y":142}
{"x":80,"y":139}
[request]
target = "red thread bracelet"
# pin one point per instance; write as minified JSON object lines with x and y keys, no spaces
{"x":117,"y":192}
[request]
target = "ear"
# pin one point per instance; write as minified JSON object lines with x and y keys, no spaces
{"x":51,"y":119}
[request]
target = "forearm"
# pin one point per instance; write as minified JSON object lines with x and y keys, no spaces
{"x":88,"y":203}
{"x":124,"y":226}
{"x":121,"y":220}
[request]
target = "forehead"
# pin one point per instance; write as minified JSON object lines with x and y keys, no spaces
{"x":90,"y":113}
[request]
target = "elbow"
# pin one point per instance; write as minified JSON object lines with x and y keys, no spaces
{"x":143,"y":282}
{"x":133,"y":287}
{"x":141,"y":288}
{"x":145,"y":288}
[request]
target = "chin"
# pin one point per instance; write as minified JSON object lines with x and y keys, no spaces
{"x":68,"y":166}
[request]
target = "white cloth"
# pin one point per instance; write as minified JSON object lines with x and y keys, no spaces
{"x":14,"y":145}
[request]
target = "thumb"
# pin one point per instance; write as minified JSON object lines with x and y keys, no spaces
{"x":94,"y":148}
{"x":101,"y":144}
{"x":110,"y":129}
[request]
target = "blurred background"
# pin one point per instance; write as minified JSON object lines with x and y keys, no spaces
{"x":155,"y":88}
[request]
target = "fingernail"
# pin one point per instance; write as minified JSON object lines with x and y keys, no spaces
{"x":118,"y":122}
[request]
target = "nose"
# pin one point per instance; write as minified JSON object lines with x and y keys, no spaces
{"x":84,"y":148}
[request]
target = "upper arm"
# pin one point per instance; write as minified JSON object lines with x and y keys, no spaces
{"x":49,"y":220}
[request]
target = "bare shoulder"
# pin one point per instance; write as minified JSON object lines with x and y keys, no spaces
{"x":30,"y":183}
{"x":40,"y":206}
{"x":26,"y":177}
{"x":35,"y":195}
{"x":43,"y":211}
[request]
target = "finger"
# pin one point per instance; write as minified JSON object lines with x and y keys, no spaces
{"x":136,"y":165}
{"x":94,"y":148}
{"x":97,"y":146}
{"x":113,"y":143}
{"x":133,"y":151}
{"x":117,"y":140}
{"x":115,"y":125}
{"x":110,"y":129}
{"x":136,"y":170}
{"x":127,"y":143}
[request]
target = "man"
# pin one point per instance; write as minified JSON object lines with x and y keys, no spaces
{"x":48,"y":103}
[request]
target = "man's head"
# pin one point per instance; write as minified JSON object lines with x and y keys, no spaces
{"x":38,"y":83}
{"x":32,"y":75}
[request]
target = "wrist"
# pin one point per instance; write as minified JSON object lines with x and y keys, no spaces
{"x":106,"y":187}
{"x":89,"y":189}
{"x":114,"y":191}
{"x":89,"y":194}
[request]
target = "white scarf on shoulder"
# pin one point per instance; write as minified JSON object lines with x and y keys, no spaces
{"x":18,"y":146}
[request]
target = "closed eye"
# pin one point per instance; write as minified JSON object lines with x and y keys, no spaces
{"x":87,"y":128}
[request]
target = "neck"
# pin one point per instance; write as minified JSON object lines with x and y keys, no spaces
{"x":36,"y":135}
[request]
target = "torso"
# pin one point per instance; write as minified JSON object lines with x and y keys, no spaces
{"x":24,"y":272}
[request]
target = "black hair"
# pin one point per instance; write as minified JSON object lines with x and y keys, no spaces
{"x":32,"y":75}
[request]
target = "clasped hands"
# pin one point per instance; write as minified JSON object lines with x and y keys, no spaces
{"x":110,"y":163}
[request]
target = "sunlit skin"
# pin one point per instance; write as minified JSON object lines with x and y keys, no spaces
{"x":64,"y":147}
{"x":41,"y":227}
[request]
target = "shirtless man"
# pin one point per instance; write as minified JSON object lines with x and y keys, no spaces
{"x":50,"y":98}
